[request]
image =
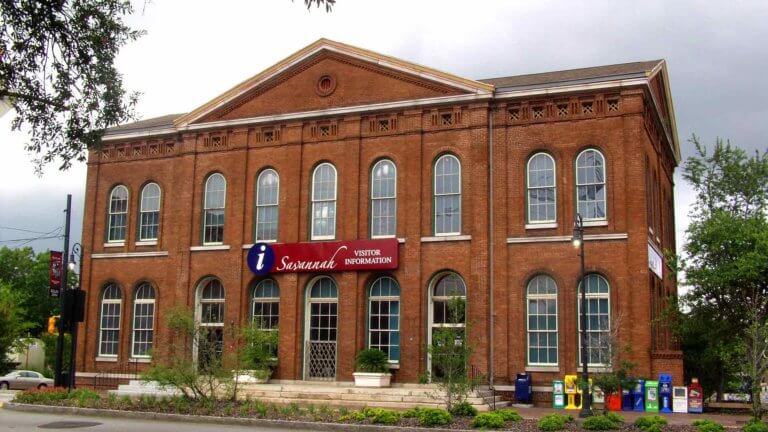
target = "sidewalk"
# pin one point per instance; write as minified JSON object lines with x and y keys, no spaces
{"x":734,"y":420}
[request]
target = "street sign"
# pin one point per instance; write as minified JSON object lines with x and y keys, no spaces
{"x":55,"y":274}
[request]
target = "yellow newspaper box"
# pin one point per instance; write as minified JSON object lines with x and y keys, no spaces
{"x":571,"y":390}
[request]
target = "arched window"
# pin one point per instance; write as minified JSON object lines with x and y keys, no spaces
{"x":109,"y":325}
{"x":324,"y":202}
{"x":541,"y":297}
{"x":214,"y":204}
{"x":598,"y":320}
{"x":149,"y":212}
{"x":210,"y":315}
{"x":267,"y":193}
{"x":447,"y":200}
{"x":265,"y":309}
{"x":447,"y":312}
{"x":321,"y":329}
{"x":383,"y":199}
{"x":590,"y":185}
{"x":384,"y":317}
{"x":118,"y":214}
{"x":542,"y":197}
{"x":143,"y":320}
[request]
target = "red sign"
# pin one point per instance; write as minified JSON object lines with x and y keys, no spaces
{"x":55,"y":274}
{"x":264,"y":258}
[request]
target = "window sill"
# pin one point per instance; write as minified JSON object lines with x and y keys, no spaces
{"x":140,"y":360}
{"x":599,"y":369}
{"x":147,"y":243}
{"x":446,"y":238}
{"x":208,"y":248}
{"x":248,"y":246}
{"x":106,"y":359}
{"x":322,"y":238}
{"x":541,"y":225}
{"x":595,"y":223}
{"x":114,"y":244}
{"x":393,"y":365}
{"x":542,"y":368}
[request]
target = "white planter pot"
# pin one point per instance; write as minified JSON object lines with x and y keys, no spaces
{"x":251,"y":377}
{"x":372,"y":379}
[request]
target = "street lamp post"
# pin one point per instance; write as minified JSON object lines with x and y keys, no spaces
{"x":77,"y":250}
{"x":578,"y":242}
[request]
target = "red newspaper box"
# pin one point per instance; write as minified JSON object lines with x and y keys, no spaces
{"x":613,"y":401}
{"x":695,"y":397}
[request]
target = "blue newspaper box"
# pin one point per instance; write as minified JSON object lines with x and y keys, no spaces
{"x":523,"y":389}
{"x":638,"y":396}
{"x":665,"y":393}
{"x":626,"y":399}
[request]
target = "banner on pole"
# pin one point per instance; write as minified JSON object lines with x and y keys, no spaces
{"x":55,"y":273}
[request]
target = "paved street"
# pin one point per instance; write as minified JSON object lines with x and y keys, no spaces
{"x":23,"y":421}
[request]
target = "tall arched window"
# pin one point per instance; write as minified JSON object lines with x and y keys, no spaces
{"x":149,"y":212}
{"x":143,"y":320}
{"x":590,"y":185}
{"x":542,"y":197}
{"x":598,"y":320}
{"x":447,"y":200}
{"x":118,"y":214}
{"x":541,"y":296}
{"x":384,"y":317}
{"x":447,"y":310}
{"x":210,"y":315}
{"x":383,"y":199}
{"x":321,"y":329}
{"x":265,"y":309}
{"x":109,"y":324}
{"x":214,"y":204}
{"x":267,"y":194}
{"x":324,"y":202}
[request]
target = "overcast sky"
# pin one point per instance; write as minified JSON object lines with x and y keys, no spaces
{"x":195,"y":50}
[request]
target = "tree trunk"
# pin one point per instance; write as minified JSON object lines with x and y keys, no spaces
{"x":721,"y":384}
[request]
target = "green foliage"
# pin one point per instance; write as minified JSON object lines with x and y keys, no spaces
{"x":612,"y":416}
{"x":259,"y":348}
{"x":509,"y":415}
{"x":84,"y":397}
{"x":412,"y":413}
{"x":464,"y":409}
{"x":554,"y":422}
{"x":488,"y":420}
{"x":50,"y":350}
{"x":371,"y":360}
{"x":356,"y":416}
{"x":601,"y":423}
{"x":45,"y":396}
{"x":756,"y":426}
{"x":431,"y":417}
{"x":708,"y":426}
{"x":12,"y":325}
{"x":382,"y":416}
{"x":651,"y":423}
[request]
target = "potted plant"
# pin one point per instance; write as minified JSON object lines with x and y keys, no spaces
{"x":371,"y":369}
{"x":258,"y":356}
{"x":609,"y":384}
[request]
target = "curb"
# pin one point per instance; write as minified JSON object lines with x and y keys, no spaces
{"x":281,"y":424}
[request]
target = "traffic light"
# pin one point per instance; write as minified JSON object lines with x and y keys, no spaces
{"x":52,"y":324}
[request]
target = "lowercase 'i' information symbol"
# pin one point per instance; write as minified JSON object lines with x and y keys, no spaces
{"x":261,"y":257}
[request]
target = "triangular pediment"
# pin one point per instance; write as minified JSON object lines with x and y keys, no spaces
{"x":329,"y":74}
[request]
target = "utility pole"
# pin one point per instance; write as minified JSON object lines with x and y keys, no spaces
{"x":59,"y":364}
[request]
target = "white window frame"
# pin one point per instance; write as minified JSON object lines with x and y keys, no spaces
{"x":375,"y":199}
{"x":110,"y":213}
{"x":255,"y":300}
{"x":431,"y":310}
{"x":578,"y":318}
{"x":530,"y":188}
{"x":102,"y":329}
{"x":223,"y":208}
{"x":390,"y":298}
{"x":142,"y":211}
{"x":435,"y":195}
{"x":604,"y":183}
{"x":319,"y":201}
{"x":528,"y":331}
{"x":136,"y":303}
{"x":199,"y":301}
{"x":258,"y":206}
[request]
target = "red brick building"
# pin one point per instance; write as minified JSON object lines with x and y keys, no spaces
{"x":479,"y":182}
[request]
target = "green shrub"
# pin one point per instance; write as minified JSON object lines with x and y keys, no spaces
{"x":412,"y":413}
{"x":44,"y":396}
{"x":756,"y":426}
{"x":385,"y":416}
{"x":464,"y":409}
{"x":554,"y":422}
{"x":509,"y":415}
{"x":357,"y":416}
{"x":708,"y":426}
{"x":84,"y":397}
{"x":651,"y":423}
{"x":489,"y":420}
{"x":601,"y":423}
{"x":371,"y":360}
{"x":612,"y":416}
{"x":431,"y":417}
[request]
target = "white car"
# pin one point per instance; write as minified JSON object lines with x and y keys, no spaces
{"x":22,"y":380}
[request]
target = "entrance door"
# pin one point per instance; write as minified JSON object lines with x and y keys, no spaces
{"x":320,"y":330}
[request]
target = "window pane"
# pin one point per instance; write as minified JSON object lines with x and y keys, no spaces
{"x":590,"y":185}
{"x":447,"y":189}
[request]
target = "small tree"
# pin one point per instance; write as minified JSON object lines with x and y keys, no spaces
{"x":12,"y":326}
{"x":753,"y":349}
{"x":451,"y":353}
